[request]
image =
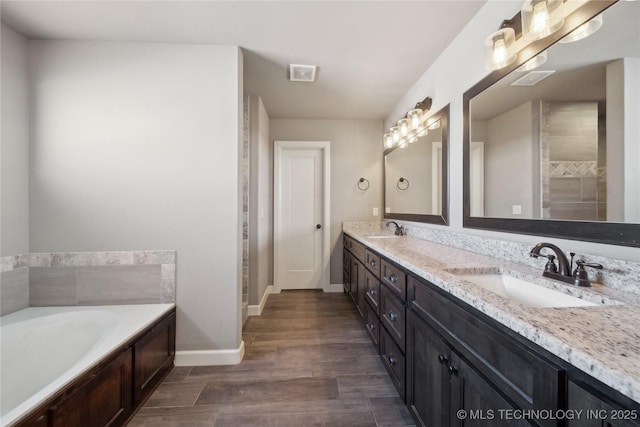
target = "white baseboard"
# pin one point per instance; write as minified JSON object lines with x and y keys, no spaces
{"x":335,"y":287}
{"x":210,"y":357}
{"x":256,"y":310}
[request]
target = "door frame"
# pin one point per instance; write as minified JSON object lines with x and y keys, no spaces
{"x":325,"y":148}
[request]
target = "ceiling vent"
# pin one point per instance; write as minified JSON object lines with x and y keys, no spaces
{"x":532,"y":78}
{"x":302,"y":73}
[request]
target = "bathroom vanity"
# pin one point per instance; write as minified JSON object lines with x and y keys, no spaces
{"x":456,"y":350}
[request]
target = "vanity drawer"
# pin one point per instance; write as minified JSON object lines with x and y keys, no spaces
{"x":358,"y":250}
{"x":372,"y":324}
{"x":394,"y":278}
{"x":373,"y":263}
{"x":393,"y":315}
{"x":532,"y":381}
{"x":393,"y":360}
{"x":372,"y":291}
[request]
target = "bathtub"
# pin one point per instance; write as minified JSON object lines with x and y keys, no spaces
{"x":42,"y":349}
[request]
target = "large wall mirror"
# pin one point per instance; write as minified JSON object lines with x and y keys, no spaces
{"x":556,"y":151}
{"x":416,"y":176}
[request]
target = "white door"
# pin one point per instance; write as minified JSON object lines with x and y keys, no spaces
{"x":300,"y":222}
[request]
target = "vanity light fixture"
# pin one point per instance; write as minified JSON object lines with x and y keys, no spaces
{"x":584,"y":30}
{"x":539,"y":19}
{"x":499,"y":49}
{"x":410,"y":127}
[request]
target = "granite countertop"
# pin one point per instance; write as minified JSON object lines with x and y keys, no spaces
{"x":601,"y":340}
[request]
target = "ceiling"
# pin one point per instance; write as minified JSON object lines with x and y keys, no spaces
{"x":368,"y":53}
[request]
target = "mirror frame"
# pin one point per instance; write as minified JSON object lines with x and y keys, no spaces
{"x":443,"y":218}
{"x":600,"y":232}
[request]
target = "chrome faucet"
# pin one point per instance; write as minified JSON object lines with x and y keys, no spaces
{"x":563,"y":271}
{"x":399,"y":231}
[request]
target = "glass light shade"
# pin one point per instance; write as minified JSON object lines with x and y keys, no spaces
{"x":403,"y":124}
{"x":584,"y":30}
{"x":533,"y":63}
{"x":415,"y":117}
{"x":403,"y":144}
{"x":540,"y":19}
{"x":395,"y":132}
{"x":388,"y":140}
{"x":499,"y":50}
{"x":421,"y":132}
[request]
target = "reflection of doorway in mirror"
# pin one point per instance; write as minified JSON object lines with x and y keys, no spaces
{"x":436,"y":178}
{"x":476,"y":178}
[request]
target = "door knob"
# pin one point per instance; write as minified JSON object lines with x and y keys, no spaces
{"x":318,"y":226}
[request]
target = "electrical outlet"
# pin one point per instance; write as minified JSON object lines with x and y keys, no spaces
{"x":387,"y":210}
{"x":375,"y":211}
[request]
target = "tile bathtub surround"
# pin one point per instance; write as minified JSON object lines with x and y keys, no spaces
{"x":617,"y":274}
{"x":14,"y":290}
{"x":90,"y":278}
{"x":608,"y":354}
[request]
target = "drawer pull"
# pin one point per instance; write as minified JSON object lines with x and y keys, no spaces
{"x":372,"y":326}
{"x":453,"y":370}
{"x":442,"y":358}
{"x":372,"y":263}
{"x":372,"y":292}
{"x":393,"y":316}
{"x":393,"y":279}
{"x":392,"y":361}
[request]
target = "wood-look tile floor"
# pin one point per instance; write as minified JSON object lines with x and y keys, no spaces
{"x":308,"y":362}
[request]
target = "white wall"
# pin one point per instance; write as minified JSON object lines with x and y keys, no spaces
{"x":14,"y":145}
{"x":458,"y":68}
{"x":136,"y":146}
{"x":354,"y":154}
{"x":261,"y":204}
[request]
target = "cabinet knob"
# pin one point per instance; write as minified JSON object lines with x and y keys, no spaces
{"x":372,"y":326}
{"x":372,"y":292}
{"x":393,"y":279}
{"x":442,"y":358}
{"x":372,"y":263}
{"x":453,"y":370}
{"x":393,"y":316}
{"x":392,"y":361}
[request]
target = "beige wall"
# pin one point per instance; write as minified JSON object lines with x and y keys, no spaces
{"x":355,"y":153}
{"x":136,"y":146}
{"x":14,"y":145}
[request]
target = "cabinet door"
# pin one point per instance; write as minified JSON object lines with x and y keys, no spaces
{"x":154,"y":357}
{"x":346,"y":270}
{"x":474,"y":402}
{"x":427,"y":374}
{"x":361,"y":291}
{"x":594,"y":412}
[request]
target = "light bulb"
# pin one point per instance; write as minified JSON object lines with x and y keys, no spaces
{"x":499,"y":49}
{"x":500,"y":53}
{"x":540,"y":19}
{"x":395,"y":132}
{"x":415,"y":116}
{"x":403,"y":124}
{"x":388,"y":140}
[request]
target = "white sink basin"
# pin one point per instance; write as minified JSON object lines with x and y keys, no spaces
{"x":526,"y":293}
{"x":382,"y":236}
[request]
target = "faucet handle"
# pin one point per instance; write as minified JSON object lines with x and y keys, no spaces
{"x":551,"y":264}
{"x":580,"y":276}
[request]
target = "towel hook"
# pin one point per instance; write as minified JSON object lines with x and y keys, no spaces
{"x":363,"y":184}
{"x":401,"y":184}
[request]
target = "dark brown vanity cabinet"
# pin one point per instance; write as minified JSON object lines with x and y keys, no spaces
{"x":442,"y":389}
{"x":598,"y":410}
{"x":354,"y":274}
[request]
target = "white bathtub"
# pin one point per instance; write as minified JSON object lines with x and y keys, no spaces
{"x":44,"y":348}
